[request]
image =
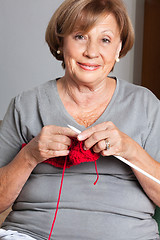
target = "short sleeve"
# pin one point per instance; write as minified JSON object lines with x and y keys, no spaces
{"x":152,"y":142}
{"x":10,"y":135}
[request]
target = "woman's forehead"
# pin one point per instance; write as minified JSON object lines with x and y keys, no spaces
{"x":105,"y":23}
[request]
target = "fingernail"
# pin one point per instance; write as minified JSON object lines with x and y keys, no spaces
{"x":80,"y":137}
{"x":68,"y":151}
{"x":84,"y":148}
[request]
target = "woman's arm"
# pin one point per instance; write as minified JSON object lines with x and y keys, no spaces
{"x":147,"y":163}
{"x":13,"y":177}
{"x":124,"y":146}
{"x":52,"y":142}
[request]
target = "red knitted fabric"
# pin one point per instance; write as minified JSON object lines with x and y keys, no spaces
{"x":76,"y":156}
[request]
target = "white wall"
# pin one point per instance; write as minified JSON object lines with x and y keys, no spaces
{"x":130,"y":67}
{"x":25,"y":60}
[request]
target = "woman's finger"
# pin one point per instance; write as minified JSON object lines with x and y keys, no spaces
{"x":53,"y":141}
{"x":61,"y":153}
{"x":56,"y":130}
{"x":57,"y":146}
{"x":99,"y":127}
{"x":97,"y":138}
{"x":61,"y":139}
{"x":103,"y":145}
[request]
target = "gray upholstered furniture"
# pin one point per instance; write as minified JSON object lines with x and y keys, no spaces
{"x":5,"y":213}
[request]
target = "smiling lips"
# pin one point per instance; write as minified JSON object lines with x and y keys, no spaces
{"x":88,"y":67}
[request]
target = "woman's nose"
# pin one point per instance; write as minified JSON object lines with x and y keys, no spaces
{"x":91,"y":50}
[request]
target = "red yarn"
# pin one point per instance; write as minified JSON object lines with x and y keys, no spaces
{"x":59,"y":196}
{"x":76,"y":156}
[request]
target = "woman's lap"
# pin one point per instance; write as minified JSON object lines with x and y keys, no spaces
{"x":13,"y":235}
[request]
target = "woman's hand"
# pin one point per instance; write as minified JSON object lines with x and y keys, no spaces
{"x":119,"y":143}
{"x":53,"y":141}
{"x":124,"y":146}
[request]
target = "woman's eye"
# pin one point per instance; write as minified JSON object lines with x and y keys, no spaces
{"x":106,"y":40}
{"x":79,"y":37}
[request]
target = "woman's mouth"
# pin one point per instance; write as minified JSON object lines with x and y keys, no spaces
{"x":88,"y":67}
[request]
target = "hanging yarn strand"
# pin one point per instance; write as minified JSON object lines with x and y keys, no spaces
{"x":96,"y":172}
{"x":59,"y":196}
{"x":60,"y":190}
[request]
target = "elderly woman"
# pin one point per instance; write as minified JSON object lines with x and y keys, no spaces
{"x":114,"y":117}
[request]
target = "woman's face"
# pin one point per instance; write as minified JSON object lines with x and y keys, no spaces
{"x":90,"y":57}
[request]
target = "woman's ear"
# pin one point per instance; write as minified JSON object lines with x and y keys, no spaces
{"x":118,"y":51}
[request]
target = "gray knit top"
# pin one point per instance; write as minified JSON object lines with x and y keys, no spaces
{"x":116,"y":208}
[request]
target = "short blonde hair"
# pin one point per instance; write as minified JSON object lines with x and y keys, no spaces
{"x":82,"y":15}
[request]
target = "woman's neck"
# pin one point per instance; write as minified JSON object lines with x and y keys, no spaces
{"x":86,"y":103}
{"x":86,"y":95}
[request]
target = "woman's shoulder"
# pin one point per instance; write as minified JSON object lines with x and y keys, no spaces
{"x":31,"y":96}
{"x":35,"y":99}
{"x":136,"y":91}
{"x":35,"y":91}
{"x":140,"y":99}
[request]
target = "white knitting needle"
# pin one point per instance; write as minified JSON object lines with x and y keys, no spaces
{"x":74,"y":129}
{"x":125,"y":161}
